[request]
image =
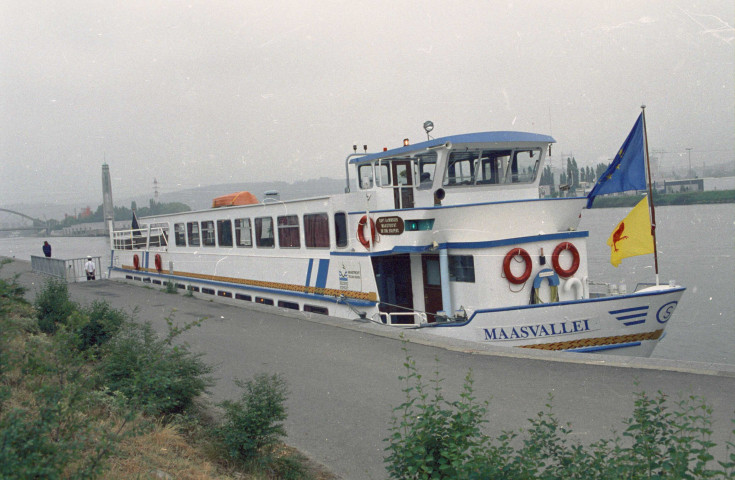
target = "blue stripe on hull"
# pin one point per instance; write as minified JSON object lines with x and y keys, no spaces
{"x":321,"y":274}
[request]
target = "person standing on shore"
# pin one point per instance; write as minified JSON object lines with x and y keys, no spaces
{"x":89,"y":268}
{"x":46,"y":249}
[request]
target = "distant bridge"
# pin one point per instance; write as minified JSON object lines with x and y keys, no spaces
{"x":38,"y":224}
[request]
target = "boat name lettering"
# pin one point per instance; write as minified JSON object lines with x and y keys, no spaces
{"x":390,"y":225}
{"x":537,"y":331}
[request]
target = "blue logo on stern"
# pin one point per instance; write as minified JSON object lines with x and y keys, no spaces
{"x":664,"y":313}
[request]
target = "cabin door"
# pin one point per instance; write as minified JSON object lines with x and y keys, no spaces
{"x":432,"y":285}
{"x":402,"y":183}
{"x":393,"y":278}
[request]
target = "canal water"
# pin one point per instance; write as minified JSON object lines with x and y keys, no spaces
{"x":696,"y":246}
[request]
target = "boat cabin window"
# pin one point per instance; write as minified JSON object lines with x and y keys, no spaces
{"x":208,"y":233}
{"x":264,"y":232}
{"x":288,"y":231}
{"x":180,"y":234}
{"x":426,"y":166}
{"x":316,"y":230}
{"x":340,"y":228}
{"x":224,"y":233}
{"x":461,"y":268}
{"x":192,"y":230}
{"x":243,"y":235}
{"x":524,"y":166}
{"x":367,"y":172}
{"x":491,"y":167}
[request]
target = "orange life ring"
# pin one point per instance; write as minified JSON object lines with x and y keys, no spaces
{"x":157,"y":260}
{"x":517,"y":252}
{"x":565,"y":272}
{"x":361,"y":231}
{"x":136,"y":262}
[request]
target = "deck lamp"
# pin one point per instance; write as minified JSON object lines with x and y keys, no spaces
{"x":428,"y":126}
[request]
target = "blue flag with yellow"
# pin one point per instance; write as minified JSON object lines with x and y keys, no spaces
{"x":627,"y":171}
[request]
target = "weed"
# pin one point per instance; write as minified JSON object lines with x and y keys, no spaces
{"x":53,"y":305}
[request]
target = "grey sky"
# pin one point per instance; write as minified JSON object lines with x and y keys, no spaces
{"x":202,"y":92}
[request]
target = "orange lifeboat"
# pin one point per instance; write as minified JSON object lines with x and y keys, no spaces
{"x":237,"y":198}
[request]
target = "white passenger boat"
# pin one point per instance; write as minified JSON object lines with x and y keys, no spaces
{"x":449,"y":235}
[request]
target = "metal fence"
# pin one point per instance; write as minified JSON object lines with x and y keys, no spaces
{"x":70,"y":270}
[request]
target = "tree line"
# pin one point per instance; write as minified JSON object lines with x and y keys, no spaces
{"x":123,"y":213}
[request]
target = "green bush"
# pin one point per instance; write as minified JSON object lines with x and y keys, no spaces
{"x":102,"y":323}
{"x":252,"y":425}
{"x":53,"y":305}
{"x":432,"y":438}
{"x":154,"y":374}
{"x":45,"y":436}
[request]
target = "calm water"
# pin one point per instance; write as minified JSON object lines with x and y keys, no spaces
{"x":696,"y":249}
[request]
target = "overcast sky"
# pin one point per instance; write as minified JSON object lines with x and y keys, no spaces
{"x":204,"y":92}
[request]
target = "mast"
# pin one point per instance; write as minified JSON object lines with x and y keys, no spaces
{"x":651,"y":209}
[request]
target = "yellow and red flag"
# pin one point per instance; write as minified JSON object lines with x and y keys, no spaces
{"x":632,"y":236}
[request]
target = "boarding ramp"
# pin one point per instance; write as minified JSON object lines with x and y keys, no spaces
{"x":71,"y":270}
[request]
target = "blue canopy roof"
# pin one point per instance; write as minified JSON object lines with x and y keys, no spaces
{"x":480,"y":137}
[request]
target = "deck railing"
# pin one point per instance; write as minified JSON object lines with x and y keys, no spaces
{"x":70,"y":270}
{"x":147,"y":238}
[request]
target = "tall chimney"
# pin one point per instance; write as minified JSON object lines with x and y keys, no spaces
{"x":107,"y":211}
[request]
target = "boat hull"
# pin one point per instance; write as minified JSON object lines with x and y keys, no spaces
{"x":629,"y":324}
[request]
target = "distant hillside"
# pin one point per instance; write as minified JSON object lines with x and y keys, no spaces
{"x":201,"y":197}
{"x":196,"y":198}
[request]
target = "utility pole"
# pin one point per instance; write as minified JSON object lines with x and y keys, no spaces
{"x":689,"y":152}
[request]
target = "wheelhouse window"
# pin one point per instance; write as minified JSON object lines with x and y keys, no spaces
{"x":180,"y":234}
{"x":192,"y":233}
{"x":316,"y":230}
{"x":481,"y":167}
{"x":264,"y":232}
{"x":340,"y":228}
{"x":426,"y":166}
{"x":462,"y":268}
{"x":288,"y":231}
{"x":243,"y":234}
{"x":208,"y":233}
{"x":224,"y":233}
{"x":365,"y":173}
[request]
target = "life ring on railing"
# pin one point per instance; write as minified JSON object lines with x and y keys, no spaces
{"x":517,"y":252}
{"x":361,"y":231}
{"x":157,"y":260}
{"x":565,"y":272}
{"x":136,"y":262}
{"x":553,"y":279}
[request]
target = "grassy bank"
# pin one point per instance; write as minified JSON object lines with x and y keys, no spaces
{"x":688,"y":198}
{"x":88,"y":392}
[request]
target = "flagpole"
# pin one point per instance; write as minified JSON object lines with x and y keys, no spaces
{"x":651,"y":209}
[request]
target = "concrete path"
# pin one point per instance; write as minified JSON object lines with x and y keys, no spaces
{"x":343,"y":375}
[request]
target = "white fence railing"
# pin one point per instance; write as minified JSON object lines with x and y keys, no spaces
{"x":71,"y":270}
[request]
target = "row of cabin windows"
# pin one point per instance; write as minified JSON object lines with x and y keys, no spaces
{"x":466,"y":167}
{"x":243,"y":233}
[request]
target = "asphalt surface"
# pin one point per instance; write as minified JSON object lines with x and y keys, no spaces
{"x":343,"y":375}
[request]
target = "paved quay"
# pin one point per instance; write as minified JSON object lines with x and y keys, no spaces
{"x":343,"y":375}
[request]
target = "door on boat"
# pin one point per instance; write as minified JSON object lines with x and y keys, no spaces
{"x":432,"y":285}
{"x":393,"y":278}
{"x":402,"y":183}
